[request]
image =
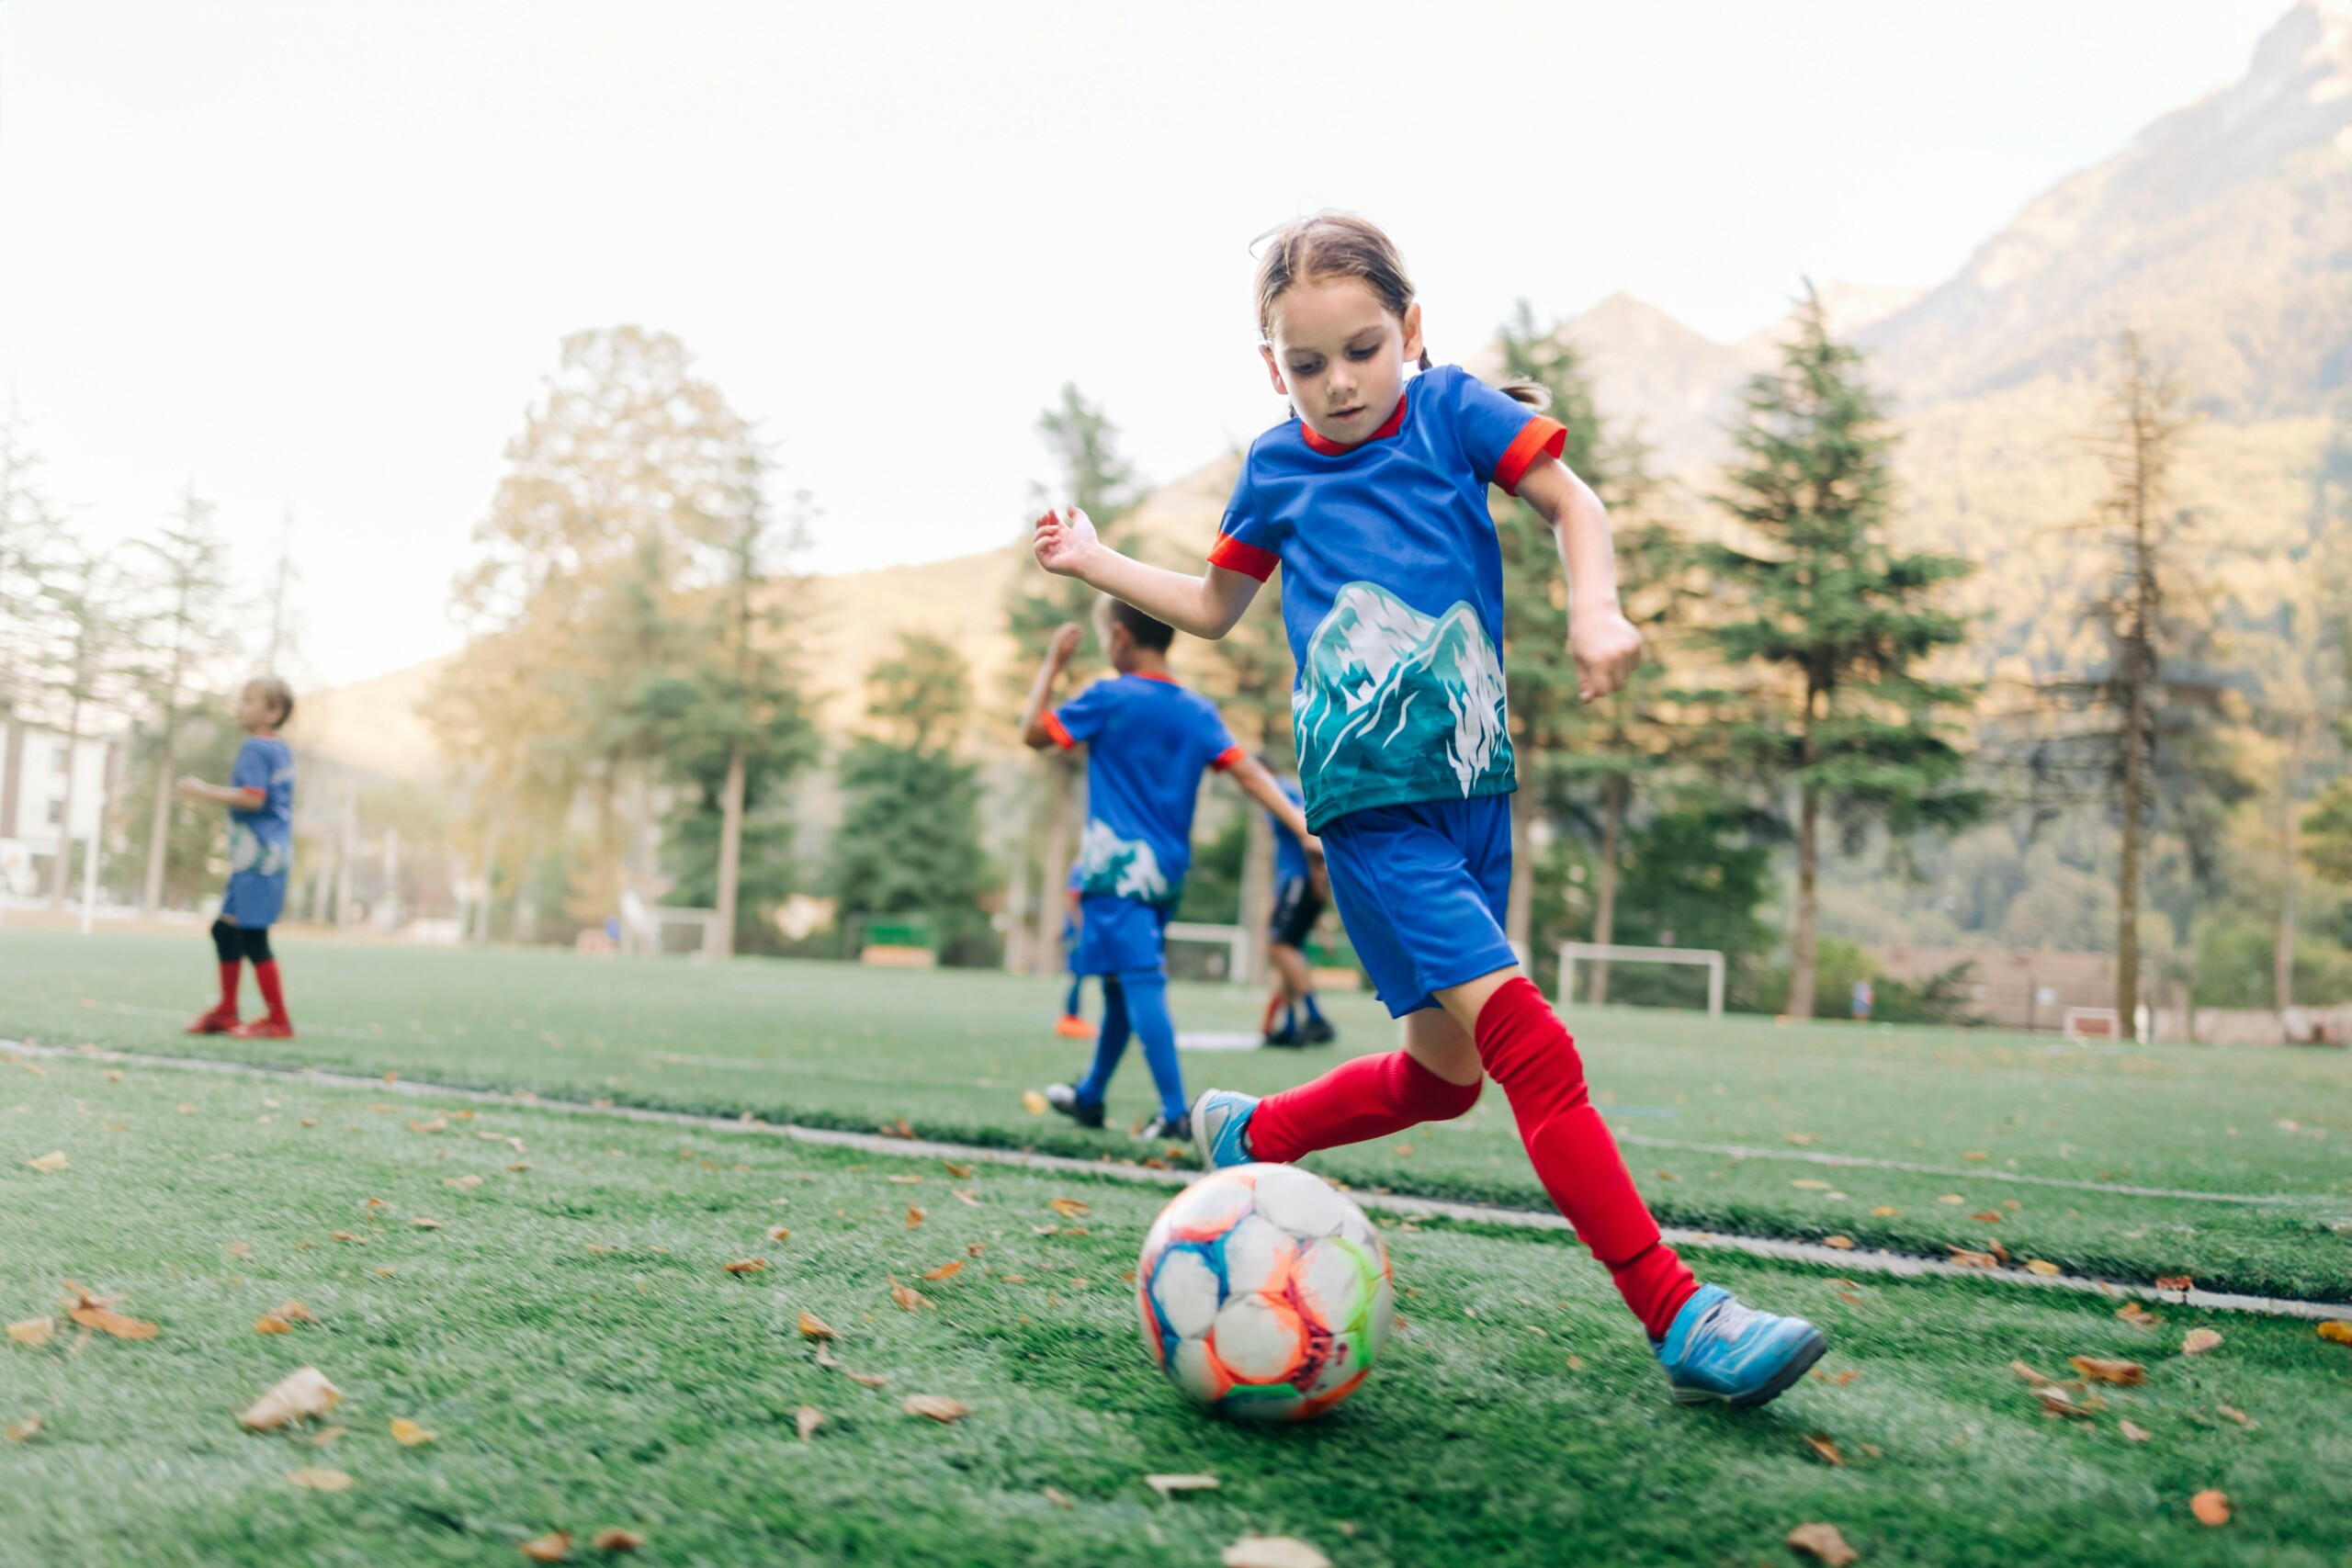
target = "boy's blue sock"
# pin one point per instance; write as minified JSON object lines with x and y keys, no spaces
{"x":1290,"y":1018}
{"x":1312,"y":1011}
{"x":1110,"y":1043}
{"x":1069,"y":1006}
{"x":1146,"y":992}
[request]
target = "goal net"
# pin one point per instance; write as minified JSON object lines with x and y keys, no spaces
{"x":1574,"y":952}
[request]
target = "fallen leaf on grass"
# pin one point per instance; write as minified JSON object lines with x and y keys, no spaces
{"x":1824,"y":1542}
{"x":1963,"y":1258}
{"x":1989,"y":1217}
{"x":2058,"y":1402}
{"x":745,"y":1264}
{"x":2041,"y":1265}
{"x":320,"y":1480}
{"x":2133,"y":1431}
{"x":425,"y":1222}
{"x":2135,"y":1315}
{"x":2099,"y":1369}
{"x":904,"y":1180}
{"x":870,"y":1380}
{"x":23,"y":1431}
{"x":937,"y":1408}
{"x":1802,"y":1139}
{"x":1070,"y":1208}
{"x":1884,"y":1212}
{"x":299,"y":1396}
{"x":908,"y":1297}
{"x":808,"y":1419}
{"x":815,"y":1327}
{"x":947,"y":1270}
{"x":1821,"y":1443}
{"x":34,"y":1332}
{"x":2031,"y":1376}
{"x":53,"y":1160}
{"x":1169,"y":1485}
{"x":1973,"y":1153}
{"x":439,"y":1124}
{"x":1842,"y":1243}
{"x":1953,"y":1198}
{"x":1033,"y":1102}
{"x":601,"y":1247}
{"x":2211,"y":1509}
{"x":241,"y":1249}
{"x":326,"y":1434}
{"x":2336,"y":1330}
{"x":2175,"y":1283}
{"x":964,"y":1198}
{"x":462,"y":1184}
{"x":914,"y":1216}
{"x":2240,"y":1416}
{"x":616,"y":1539}
{"x":958,"y":1172}
{"x":1809,"y":1185}
{"x":2197,"y":1341}
{"x":1272,"y":1551}
{"x":779,"y":1233}
{"x":95,"y":1313}
{"x":408,"y":1435}
{"x":270,"y":1323}
{"x":552,"y":1546}
{"x":1058,"y":1498}
{"x":1841,"y":1379}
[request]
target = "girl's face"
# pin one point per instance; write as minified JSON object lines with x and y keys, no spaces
{"x":1339,"y":354}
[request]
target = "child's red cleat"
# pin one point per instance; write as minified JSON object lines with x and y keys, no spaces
{"x":263,"y":1029}
{"x":220,"y":1021}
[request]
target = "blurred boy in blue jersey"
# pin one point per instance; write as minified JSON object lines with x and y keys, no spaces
{"x":1149,"y":741}
{"x":1072,"y":1025}
{"x":1301,"y":889}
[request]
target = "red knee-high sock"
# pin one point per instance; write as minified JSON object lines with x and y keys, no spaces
{"x":1526,"y":1047}
{"x":228,"y":978}
{"x":272,"y":992}
{"x":1370,"y":1097}
{"x":1274,"y":1006}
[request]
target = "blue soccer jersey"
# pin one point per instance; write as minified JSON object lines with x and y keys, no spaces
{"x":1147,"y":741}
{"x":1290,"y":855}
{"x":1392,"y":591}
{"x":261,"y":841}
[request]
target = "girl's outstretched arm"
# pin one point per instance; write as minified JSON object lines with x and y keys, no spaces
{"x":1606,"y":645}
{"x":1205,"y":606}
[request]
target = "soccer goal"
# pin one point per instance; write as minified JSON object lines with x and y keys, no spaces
{"x":1228,"y":955}
{"x":1572,"y":951}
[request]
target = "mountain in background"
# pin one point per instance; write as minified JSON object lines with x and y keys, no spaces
{"x":2222,"y":234}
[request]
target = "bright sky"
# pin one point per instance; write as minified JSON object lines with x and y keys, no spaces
{"x":319,"y":254}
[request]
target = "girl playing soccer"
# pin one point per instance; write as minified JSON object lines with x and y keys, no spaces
{"x":1372,"y":501}
{"x":260,"y":799}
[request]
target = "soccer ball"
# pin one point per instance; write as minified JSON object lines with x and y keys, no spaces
{"x":1265,"y":1294}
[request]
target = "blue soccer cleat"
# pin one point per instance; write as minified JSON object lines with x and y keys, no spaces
{"x":1719,"y":1350}
{"x":1221,"y":1128}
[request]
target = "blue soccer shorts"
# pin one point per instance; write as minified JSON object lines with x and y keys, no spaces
{"x":1115,"y":936}
{"x":1422,"y":888}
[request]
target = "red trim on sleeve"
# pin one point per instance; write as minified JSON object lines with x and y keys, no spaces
{"x":1225,"y":759}
{"x":1238,"y":554}
{"x":1330,"y":448}
{"x":1059,"y":730}
{"x":1539,"y":438}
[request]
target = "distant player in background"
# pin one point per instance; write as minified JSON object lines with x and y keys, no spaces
{"x":1301,"y":889}
{"x":1147,"y":742}
{"x":1072,"y":1024}
{"x":260,"y":799}
{"x":1865,"y":998}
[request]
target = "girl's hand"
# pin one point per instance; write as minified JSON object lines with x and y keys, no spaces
{"x":1064,"y":647}
{"x":1065,"y":539}
{"x":1606,"y":649}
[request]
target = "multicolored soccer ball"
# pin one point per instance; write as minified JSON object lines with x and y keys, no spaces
{"x":1265,"y":1293}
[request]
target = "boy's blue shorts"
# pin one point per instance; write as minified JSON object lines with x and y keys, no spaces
{"x":1422,"y":888}
{"x":1115,"y":936}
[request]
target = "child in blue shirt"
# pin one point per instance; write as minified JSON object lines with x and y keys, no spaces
{"x":1147,"y":742}
{"x":260,"y":799}
{"x":1372,"y":499}
{"x":1072,"y":1024}
{"x":1300,"y":892}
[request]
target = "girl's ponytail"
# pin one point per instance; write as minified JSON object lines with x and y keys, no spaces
{"x":1340,"y":244}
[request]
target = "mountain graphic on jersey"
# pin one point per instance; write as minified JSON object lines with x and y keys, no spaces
{"x":1119,"y":868}
{"x":248,"y":850}
{"x":1394,"y":706}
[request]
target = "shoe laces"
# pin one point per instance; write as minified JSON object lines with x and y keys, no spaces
{"x":1727,"y":1321}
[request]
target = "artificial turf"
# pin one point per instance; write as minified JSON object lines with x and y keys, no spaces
{"x":571,"y":1336}
{"x":2268,"y":1132}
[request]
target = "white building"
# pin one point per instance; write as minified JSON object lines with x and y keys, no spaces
{"x":34,"y":770}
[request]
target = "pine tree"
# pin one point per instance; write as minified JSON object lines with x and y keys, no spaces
{"x":909,"y":836}
{"x":32,"y":537}
{"x":1838,"y":621}
{"x":183,"y":570}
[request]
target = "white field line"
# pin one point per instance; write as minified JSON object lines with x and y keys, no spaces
{"x":1965,"y":1173}
{"x":1859,"y":1260}
{"x":1207,"y":1042}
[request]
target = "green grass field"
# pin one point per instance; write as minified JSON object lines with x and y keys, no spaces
{"x":571,"y":1336}
{"x":2049,"y":1138}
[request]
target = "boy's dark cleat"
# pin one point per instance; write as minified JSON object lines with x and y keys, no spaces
{"x":1286,"y":1036}
{"x":1160,"y":1129}
{"x":1316,"y":1031}
{"x":1064,"y":1098}
{"x":220,"y":1021}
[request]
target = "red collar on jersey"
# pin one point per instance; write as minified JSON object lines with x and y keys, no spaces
{"x":1330,"y":448}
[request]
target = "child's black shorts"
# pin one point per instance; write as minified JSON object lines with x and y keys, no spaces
{"x":1297,"y":908}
